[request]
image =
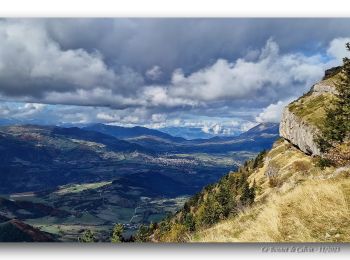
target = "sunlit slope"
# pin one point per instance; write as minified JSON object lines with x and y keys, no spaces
{"x":296,"y":201}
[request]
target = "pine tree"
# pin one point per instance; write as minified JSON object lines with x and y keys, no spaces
{"x":225,"y":198}
{"x":144,"y":232}
{"x":337,"y":121}
{"x":212,"y":211}
{"x":248,"y":194}
{"x":190,"y":222}
{"x":252,"y":192}
{"x":117,"y":235}
{"x":259,"y":159}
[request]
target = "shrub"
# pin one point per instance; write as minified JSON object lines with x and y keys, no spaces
{"x":259,"y":160}
{"x":117,"y":234}
{"x":144,"y":233}
{"x":87,"y":237}
{"x":323,"y":162}
{"x":177,"y":233}
{"x":302,"y":166}
{"x":274,"y":182}
{"x":190,"y":222}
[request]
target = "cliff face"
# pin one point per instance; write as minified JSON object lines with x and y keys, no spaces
{"x":302,"y":119}
{"x":298,"y":132}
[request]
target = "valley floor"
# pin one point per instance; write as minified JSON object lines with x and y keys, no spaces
{"x":99,"y":218}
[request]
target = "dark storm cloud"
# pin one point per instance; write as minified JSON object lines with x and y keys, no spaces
{"x":191,"y":44}
{"x":146,"y":70}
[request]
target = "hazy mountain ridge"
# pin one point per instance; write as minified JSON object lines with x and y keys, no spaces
{"x":130,"y":132}
{"x":256,"y":139}
{"x":192,"y":133}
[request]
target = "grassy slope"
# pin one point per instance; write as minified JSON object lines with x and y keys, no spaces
{"x":302,"y":204}
{"x":311,"y":107}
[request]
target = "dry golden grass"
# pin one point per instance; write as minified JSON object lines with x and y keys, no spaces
{"x":288,"y":165}
{"x":176,"y":234}
{"x":309,"y":205}
{"x":315,"y":211}
{"x":312,"y":108}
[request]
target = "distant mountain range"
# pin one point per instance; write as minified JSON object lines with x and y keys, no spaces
{"x":191,"y":133}
{"x":131,"y":132}
{"x":106,"y":174}
{"x":102,"y":137}
{"x":258,"y":138}
{"x":32,"y":153}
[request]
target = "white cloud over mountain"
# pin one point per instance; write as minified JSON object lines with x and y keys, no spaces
{"x":272,"y":113}
{"x":48,"y":62}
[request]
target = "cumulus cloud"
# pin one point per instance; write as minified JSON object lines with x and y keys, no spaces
{"x":22,"y":110}
{"x":158,"y":118}
{"x":247,"y":125}
{"x":160,"y":96}
{"x":45,"y":72}
{"x":222,"y":128}
{"x":211,"y":129}
{"x":4,"y":110}
{"x":33,"y":65}
{"x":190,"y":43}
{"x":244,"y":79}
{"x":108,"y":117}
{"x":104,"y":70}
{"x":28,"y":54}
{"x":154,"y":73}
{"x":273,"y":112}
{"x":336,"y":49}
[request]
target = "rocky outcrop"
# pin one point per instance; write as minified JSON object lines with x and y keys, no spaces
{"x":299,"y":133}
{"x":332,"y":72}
{"x":302,"y":119}
{"x":323,"y":87}
{"x":328,"y":83}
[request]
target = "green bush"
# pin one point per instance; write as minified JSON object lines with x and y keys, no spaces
{"x":117,"y":234}
{"x":87,"y":237}
{"x":323,"y":162}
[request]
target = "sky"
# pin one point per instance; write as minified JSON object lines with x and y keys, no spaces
{"x":222,"y":75}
